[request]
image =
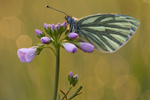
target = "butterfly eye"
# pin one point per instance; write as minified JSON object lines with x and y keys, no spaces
{"x":70,"y":20}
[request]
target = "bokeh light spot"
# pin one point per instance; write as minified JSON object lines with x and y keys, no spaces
{"x":92,"y":83}
{"x":101,"y":70}
{"x":10,"y":27}
{"x":146,"y":1}
{"x":94,"y":88}
{"x":127,"y":87}
{"x":146,"y":52}
{"x":24,"y":41}
{"x":110,"y":67}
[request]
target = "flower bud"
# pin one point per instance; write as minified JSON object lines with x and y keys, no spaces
{"x":70,"y":47}
{"x":58,"y":25}
{"x":47,"y":28}
{"x":72,"y":35}
{"x":86,"y":47}
{"x":75,"y":78}
{"x":70,"y":77}
{"x":39,"y":33}
{"x":70,"y":74}
{"x":47,"y":25}
{"x":53,"y":27}
{"x":45,"y":40}
{"x":64,"y":24}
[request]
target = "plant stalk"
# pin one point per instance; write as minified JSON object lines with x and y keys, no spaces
{"x":76,"y":93}
{"x":57,"y":48}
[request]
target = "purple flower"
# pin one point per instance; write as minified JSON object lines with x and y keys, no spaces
{"x":26,"y":54}
{"x":70,"y":47}
{"x":45,"y":40}
{"x":38,"y":32}
{"x":86,"y":47}
{"x":64,"y":24}
{"x":72,"y":35}
{"x":53,"y":27}
{"x":58,"y":25}
{"x":70,"y":74}
{"x":47,"y":25}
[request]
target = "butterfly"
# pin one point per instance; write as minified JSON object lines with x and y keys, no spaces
{"x":107,"y":32}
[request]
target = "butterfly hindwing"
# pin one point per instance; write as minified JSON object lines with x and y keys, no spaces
{"x":107,"y":32}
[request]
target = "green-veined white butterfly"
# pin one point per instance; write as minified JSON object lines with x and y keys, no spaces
{"x":107,"y":32}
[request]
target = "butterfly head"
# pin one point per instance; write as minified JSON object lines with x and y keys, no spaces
{"x":69,"y":19}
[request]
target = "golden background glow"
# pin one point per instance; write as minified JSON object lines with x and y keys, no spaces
{"x":123,"y":75}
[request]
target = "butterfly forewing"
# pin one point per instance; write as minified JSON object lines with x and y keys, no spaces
{"x":108,"y":32}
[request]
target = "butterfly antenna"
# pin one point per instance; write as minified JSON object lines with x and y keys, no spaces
{"x":56,"y":10}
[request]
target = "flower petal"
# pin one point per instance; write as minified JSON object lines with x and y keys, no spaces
{"x":30,"y":55}
{"x":21,"y":54}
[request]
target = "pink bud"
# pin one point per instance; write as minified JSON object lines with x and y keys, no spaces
{"x":53,"y":27}
{"x":76,"y":76}
{"x":45,"y":40}
{"x":64,"y":24}
{"x":58,"y":25}
{"x":72,"y":35}
{"x":47,"y":25}
{"x":70,"y":74}
{"x":86,"y":47}
{"x":38,"y":32}
{"x":70,"y":47}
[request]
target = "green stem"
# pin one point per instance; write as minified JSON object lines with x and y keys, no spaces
{"x":58,"y":96}
{"x":76,"y":93}
{"x":57,"y":48}
{"x":50,"y":48}
{"x":67,"y":93}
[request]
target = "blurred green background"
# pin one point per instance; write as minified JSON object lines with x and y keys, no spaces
{"x":123,"y":75}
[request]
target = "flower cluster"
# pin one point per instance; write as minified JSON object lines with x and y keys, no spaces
{"x":70,"y":42}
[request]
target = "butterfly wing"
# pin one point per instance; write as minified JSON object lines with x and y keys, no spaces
{"x":107,"y":32}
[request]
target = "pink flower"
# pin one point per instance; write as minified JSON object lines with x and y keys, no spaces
{"x":70,"y":47}
{"x":26,"y":54}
